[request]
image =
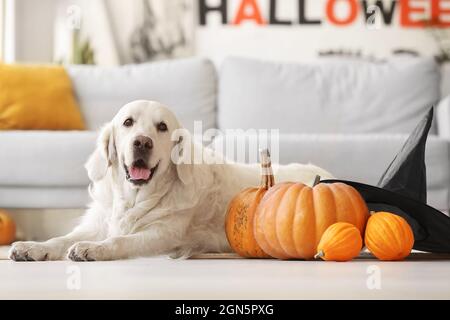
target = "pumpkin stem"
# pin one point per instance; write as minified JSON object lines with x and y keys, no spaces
{"x":267,"y":178}
{"x":320,"y":255}
{"x":316,"y":180}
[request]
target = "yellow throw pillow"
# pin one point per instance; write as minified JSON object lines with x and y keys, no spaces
{"x":34,"y":97}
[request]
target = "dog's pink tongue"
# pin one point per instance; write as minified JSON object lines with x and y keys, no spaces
{"x":139,"y":173}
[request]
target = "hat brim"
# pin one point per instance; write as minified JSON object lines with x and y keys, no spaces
{"x":431,"y":227}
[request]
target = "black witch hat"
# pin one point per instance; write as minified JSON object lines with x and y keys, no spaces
{"x":402,"y":190}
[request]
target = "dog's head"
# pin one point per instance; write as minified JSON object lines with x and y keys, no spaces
{"x":138,"y":142}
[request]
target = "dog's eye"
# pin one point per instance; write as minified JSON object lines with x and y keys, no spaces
{"x":128,"y":123}
{"x":161,"y":126}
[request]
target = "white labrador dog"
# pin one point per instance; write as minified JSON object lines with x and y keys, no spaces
{"x":146,"y":204}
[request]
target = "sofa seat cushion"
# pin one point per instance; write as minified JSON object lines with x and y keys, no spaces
{"x":45,"y":158}
{"x":187,"y":86}
{"x":328,"y":96}
{"x":358,"y":157}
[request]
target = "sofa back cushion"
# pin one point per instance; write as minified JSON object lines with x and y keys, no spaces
{"x":187,"y":86}
{"x":332,"y":95}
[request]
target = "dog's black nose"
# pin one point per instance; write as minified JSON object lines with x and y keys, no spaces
{"x":143,"y":143}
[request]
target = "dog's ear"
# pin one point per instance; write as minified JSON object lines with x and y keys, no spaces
{"x":104,"y":155}
{"x":182,"y":155}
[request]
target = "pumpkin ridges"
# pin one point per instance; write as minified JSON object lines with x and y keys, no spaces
{"x":405,"y":239}
{"x":232,"y":231}
{"x":340,"y":242}
{"x":344,"y":204}
{"x":337,"y":203}
{"x":345,"y":232}
{"x":239,"y":224}
{"x":389,"y":236}
{"x":402,"y":238}
{"x":341,"y":212}
{"x":285,"y":218}
{"x":380,"y":248}
{"x":297,"y":213}
{"x":250,"y":241}
{"x":342,"y":197}
{"x":264,"y":226}
{"x":370,"y":239}
{"x":398,"y":238}
{"x":315,"y":190}
{"x":408,"y":237}
{"x":303,"y":225}
{"x":259,"y":234}
{"x":260,"y":218}
{"x":358,"y":205}
{"x":280,"y":253}
{"x":345,"y":247}
{"x":325,"y":202}
{"x":352,"y":204}
{"x":252,"y":227}
{"x":269,"y":222}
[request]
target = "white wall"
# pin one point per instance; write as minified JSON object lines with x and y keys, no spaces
{"x":91,"y":18}
{"x":302,"y":42}
{"x":35,"y":35}
{"x":34,"y":30}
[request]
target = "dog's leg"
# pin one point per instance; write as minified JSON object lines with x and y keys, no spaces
{"x":53,"y":249}
{"x":145,"y":243}
{"x":56,"y":248}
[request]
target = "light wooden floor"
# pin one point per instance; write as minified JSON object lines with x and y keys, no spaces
{"x":162,"y":278}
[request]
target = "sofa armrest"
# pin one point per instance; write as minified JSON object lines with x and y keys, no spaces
{"x":443,"y":118}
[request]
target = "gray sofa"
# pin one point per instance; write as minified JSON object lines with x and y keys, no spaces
{"x":348,"y":116}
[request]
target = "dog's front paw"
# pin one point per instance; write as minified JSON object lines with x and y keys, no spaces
{"x":181,"y":253}
{"x":89,"y":251}
{"x":32,"y":251}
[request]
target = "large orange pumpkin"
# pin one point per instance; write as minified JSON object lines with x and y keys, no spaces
{"x":291,"y":217}
{"x":388,"y":236}
{"x":239,"y":224}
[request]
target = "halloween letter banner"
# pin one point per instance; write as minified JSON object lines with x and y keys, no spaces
{"x":412,"y":13}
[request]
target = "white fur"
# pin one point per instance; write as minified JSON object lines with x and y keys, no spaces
{"x":180,"y":212}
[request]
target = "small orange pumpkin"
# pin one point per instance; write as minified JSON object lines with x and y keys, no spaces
{"x":388,"y":236}
{"x":342,"y":241}
{"x":241,"y":211}
{"x":7,"y":229}
{"x":292,"y":217}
